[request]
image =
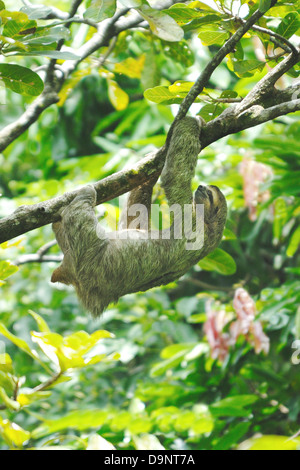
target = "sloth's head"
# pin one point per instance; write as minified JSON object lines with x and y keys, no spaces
{"x":215,"y":207}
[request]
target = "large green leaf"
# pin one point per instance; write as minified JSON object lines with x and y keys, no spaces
{"x":233,"y":406}
{"x":20,"y":343}
{"x":213,"y":35}
{"x":247,"y":67}
{"x":80,"y":420}
{"x":99,"y":10}
{"x":219,"y":261}
{"x":161,"y":25}
{"x":16,"y":24}
{"x":271,"y":443}
{"x":289,"y":25}
{"x":160,"y":94}
{"x":21,"y":79}
{"x":47,"y":35}
{"x":232,"y":436}
{"x":36,"y":12}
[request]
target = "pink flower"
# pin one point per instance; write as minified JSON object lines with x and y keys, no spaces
{"x":254,"y":174}
{"x":213,"y":327}
{"x":245,"y":325}
{"x":258,"y":339}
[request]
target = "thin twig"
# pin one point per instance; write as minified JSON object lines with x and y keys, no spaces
{"x":281,"y":40}
{"x":47,"y":383}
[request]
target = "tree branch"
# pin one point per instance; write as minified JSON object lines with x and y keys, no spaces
{"x":40,"y":256}
{"x":228,"y":47}
{"x":262,"y":108}
{"x":204,"y":77}
{"x":106,"y":30}
{"x":263,"y":103}
{"x":30,"y":217}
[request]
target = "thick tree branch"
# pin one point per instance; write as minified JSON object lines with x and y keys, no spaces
{"x":204,"y":77}
{"x":30,"y":217}
{"x":228,"y":47}
{"x":263,"y":103}
{"x":266,"y":85}
{"x":260,"y":109}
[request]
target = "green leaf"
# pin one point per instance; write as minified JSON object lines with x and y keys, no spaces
{"x":7,"y":269}
{"x":16,"y":23}
{"x":229,"y":234}
{"x":80,"y":420}
{"x":212,"y":35}
{"x":181,"y":86}
{"x":289,"y":25}
{"x":147,"y":442}
{"x":297,"y":324}
{"x":61,"y":55}
{"x":40,"y":321}
{"x":164,"y":366}
{"x":280,"y":218}
{"x":264,"y":5}
{"x":247,"y":67}
{"x":47,"y":35}
{"x":228,"y":94}
{"x":174,"y":349}
{"x":232,"y":436}
{"x":132,"y":3}
{"x":131,"y":67}
{"x":99,"y":10}
{"x":211,"y":111}
{"x":200,"y":22}
{"x":8,"y":402}
{"x":294,"y":243}
{"x":69,"y":352}
{"x":97,"y":442}
{"x":20,"y":343}
{"x":35,"y":12}
{"x":179,"y":52}
{"x":160,"y":94}
{"x":28,"y":396}
{"x":182,"y":14}
{"x":118,"y":97}
{"x":21,"y":80}
{"x":6,"y":364}
{"x":233,"y":406}
{"x":12,"y":433}
{"x":218,"y":261}
{"x":161,"y":25}
{"x":197,"y":318}
{"x":271,"y":443}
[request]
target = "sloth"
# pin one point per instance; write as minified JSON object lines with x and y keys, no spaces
{"x":102,"y":266}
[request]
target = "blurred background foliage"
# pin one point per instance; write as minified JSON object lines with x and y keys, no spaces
{"x":157,"y":380}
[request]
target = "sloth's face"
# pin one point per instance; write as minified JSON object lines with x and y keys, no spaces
{"x":213,"y":200}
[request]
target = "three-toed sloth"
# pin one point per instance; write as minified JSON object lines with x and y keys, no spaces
{"x":103,"y":268}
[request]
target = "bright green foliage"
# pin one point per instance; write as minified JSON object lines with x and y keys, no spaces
{"x":154,"y":383}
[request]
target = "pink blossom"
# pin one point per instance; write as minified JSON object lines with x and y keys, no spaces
{"x":245,"y":325}
{"x":254,"y":174}
{"x":219,"y":342}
